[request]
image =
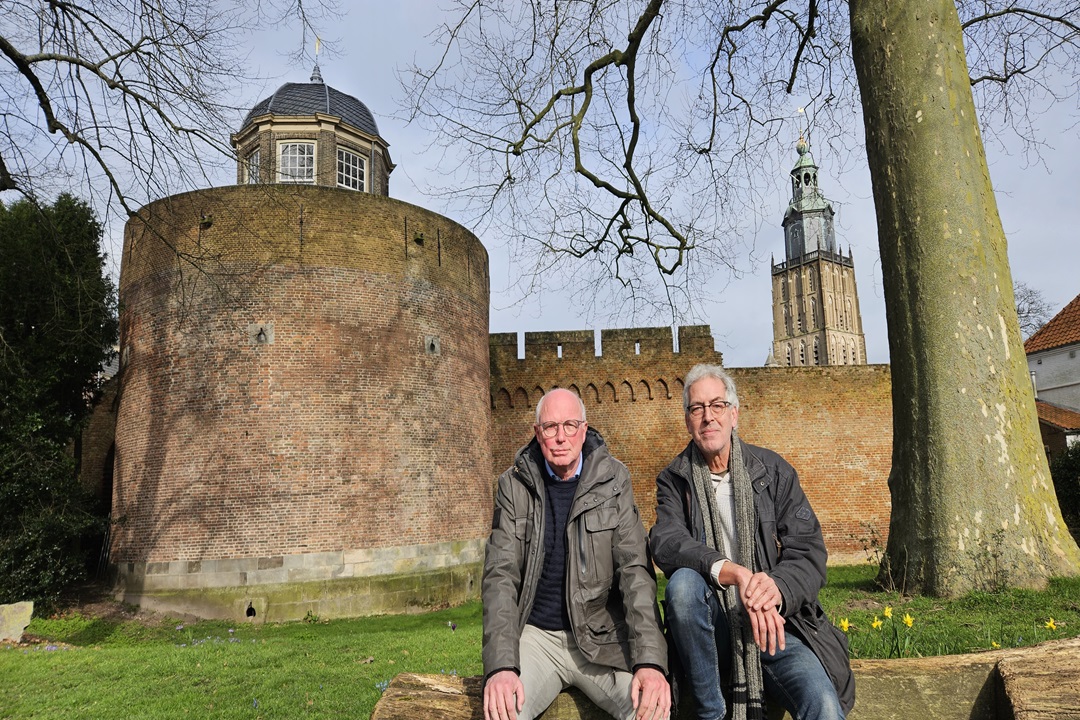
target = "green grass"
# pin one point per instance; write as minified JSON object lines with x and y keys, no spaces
{"x":978,"y":621}
{"x":92,"y":668}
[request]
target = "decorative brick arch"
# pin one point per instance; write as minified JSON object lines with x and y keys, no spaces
{"x":609,"y":392}
{"x":591,"y":394}
{"x":644,"y":390}
{"x":664,"y":391}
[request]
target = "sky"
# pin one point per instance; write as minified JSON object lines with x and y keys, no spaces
{"x":1035,"y":200}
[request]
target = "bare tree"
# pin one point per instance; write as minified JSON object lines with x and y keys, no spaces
{"x":126,"y":101}
{"x":973,"y":505}
{"x":1032,"y":308}
{"x":629,"y":142}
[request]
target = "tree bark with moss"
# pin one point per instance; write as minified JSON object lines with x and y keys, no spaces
{"x":973,"y":504}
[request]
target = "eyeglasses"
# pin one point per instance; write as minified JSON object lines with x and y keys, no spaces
{"x":716,"y":406}
{"x":569,"y":428}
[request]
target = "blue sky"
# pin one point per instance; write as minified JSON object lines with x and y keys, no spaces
{"x":1034,"y":199}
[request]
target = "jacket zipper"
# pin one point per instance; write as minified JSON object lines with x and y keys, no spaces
{"x":581,"y":546}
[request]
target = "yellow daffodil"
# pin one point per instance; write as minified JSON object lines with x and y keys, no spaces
{"x":1051,"y":625}
{"x":994,"y":644}
{"x":877,"y":623}
{"x":844,"y":624}
{"x":888,"y":611}
{"x":908,"y":620}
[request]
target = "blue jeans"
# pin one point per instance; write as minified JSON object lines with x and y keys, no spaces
{"x":793,"y":677}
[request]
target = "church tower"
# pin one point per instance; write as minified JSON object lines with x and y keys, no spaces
{"x":816,"y":318}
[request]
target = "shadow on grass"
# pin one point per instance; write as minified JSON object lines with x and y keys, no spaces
{"x":854,"y":578}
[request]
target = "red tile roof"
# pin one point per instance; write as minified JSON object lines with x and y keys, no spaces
{"x":1059,"y":417}
{"x":1063,"y":329}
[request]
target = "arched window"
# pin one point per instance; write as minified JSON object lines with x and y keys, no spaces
{"x":817,"y":352}
{"x":802,"y":352}
{"x":810,"y":275}
{"x":813,"y":313}
{"x":789,"y":354}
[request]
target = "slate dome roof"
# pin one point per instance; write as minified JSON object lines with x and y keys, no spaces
{"x":315,"y":97}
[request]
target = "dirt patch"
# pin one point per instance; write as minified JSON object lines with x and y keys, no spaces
{"x":95,"y":601}
{"x":864,"y":604}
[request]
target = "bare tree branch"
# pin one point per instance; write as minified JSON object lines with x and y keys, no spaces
{"x":632,"y":145}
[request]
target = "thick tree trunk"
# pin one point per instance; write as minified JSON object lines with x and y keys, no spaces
{"x":973,"y":505}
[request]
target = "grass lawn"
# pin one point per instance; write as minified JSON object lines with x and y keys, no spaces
{"x":85,"y":667}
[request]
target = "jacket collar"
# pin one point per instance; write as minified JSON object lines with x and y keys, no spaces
{"x":530,"y":461}
{"x":682,"y":465}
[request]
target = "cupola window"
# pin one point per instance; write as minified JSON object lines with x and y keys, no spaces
{"x":350,"y":170}
{"x":296,"y":163}
{"x":251,"y":167}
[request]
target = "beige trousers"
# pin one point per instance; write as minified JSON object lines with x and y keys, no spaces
{"x":552,"y":662}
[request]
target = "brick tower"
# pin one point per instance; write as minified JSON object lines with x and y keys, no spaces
{"x":304,"y":418}
{"x":816,"y":318}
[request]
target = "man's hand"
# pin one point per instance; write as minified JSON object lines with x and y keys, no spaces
{"x":504,"y":696}
{"x":768,"y":627}
{"x":760,"y":592}
{"x":761,"y":597}
{"x":651,"y":694}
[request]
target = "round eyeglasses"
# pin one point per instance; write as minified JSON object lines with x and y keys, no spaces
{"x":569,"y":428}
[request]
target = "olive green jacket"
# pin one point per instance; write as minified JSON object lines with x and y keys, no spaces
{"x":610,"y":583}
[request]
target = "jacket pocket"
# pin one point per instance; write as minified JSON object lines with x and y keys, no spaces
{"x":596,"y":545}
{"x":604,"y":623}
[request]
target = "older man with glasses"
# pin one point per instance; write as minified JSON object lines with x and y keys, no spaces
{"x":745,"y":559}
{"x":569,"y":592}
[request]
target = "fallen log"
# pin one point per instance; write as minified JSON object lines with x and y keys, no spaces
{"x":1035,"y":683}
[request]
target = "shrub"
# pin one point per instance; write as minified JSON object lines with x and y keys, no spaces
{"x":1065,"y":469}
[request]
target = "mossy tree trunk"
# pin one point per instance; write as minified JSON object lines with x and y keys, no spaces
{"x":973,"y":505}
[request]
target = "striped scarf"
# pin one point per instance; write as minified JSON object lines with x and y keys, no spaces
{"x":747,"y":685}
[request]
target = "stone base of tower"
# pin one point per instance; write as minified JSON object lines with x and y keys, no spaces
{"x":351,"y":583}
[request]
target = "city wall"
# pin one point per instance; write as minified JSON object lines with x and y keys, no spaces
{"x":834,"y":424}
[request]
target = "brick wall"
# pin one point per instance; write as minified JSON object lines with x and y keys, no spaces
{"x":833,"y":424}
{"x":95,"y":451}
{"x":351,"y":422}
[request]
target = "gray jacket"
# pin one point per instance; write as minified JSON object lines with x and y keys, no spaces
{"x":788,"y":546}
{"x":610,"y":584}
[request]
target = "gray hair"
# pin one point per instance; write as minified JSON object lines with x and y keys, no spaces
{"x":702,"y":371}
{"x":540,"y":403}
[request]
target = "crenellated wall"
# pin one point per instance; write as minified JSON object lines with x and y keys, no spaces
{"x":834,"y":424}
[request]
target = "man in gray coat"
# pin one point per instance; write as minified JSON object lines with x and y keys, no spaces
{"x":745,"y":560}
{"x":569,"y":592}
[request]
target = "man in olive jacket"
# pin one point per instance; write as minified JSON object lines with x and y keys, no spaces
{"x":569,"y":592}
{"x":745,"y":560}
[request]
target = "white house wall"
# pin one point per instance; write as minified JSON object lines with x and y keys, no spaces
{"x":1057,"y":375}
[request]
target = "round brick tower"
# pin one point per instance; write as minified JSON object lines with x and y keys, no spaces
{"x":304,"y":411}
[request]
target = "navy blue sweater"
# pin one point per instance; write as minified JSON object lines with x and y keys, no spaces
{"x":549,"y":608}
